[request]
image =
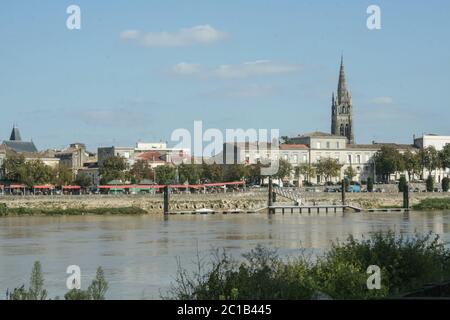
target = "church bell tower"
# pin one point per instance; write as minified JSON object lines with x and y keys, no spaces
{"x":342,"y":109}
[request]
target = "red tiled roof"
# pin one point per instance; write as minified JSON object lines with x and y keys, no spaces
{"x":153,"y":156}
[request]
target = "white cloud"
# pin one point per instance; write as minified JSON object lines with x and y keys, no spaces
{"x":382,"y":100}
{"x":255,"y":68}
{"x":202,"y":34}
{"x":184,"y":68}
{"x":244,"y":70}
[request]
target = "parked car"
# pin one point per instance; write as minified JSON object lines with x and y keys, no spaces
{"x":354,"y":188}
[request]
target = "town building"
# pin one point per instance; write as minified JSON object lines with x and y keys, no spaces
{"x":154,"y":153}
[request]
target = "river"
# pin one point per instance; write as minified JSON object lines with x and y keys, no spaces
{"x":139,"y":253}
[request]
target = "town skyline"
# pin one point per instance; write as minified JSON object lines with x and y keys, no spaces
{"x":271,"y":74}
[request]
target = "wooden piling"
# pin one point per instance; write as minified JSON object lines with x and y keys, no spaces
{"x":406,"y":197}
{"x":166,"y":200}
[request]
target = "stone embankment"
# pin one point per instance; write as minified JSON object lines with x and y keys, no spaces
{"x":247,"y":201}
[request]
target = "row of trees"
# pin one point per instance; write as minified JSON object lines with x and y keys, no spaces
{"x":116,"y":168}
{"x":390,"y":161}
{"x":16,"y":169}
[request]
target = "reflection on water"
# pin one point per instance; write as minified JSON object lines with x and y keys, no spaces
{"x":139,"y":254}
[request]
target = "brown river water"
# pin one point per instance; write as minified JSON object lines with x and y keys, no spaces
{"x":139,"y":253}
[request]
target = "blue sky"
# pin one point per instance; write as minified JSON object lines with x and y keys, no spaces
{"x":137,"y":70}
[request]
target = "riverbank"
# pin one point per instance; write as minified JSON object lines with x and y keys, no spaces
{"x":247,"y":201}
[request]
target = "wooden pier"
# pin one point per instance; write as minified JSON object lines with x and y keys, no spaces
{"x":312,"y":208}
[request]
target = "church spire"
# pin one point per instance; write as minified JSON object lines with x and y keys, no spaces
{"x":15,"y":134}
{"x":342,"y":92}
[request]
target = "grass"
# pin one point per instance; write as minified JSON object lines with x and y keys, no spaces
{"x":433,"y":204}
{"x":406,"y":263}
{"x":5,"y":211}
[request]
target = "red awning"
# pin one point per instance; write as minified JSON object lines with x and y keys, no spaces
{"x":17,"y":186}
{"x":151,"y":186}
{"x":47,"y":186}
{"x":71,"y":187}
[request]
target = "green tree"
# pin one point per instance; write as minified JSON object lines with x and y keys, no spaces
{"x":388,"y":161}
{"x":83,"y":180}
{"x":430,"y":184}
{"x":305,"y":169}
{"x":113,"y":168}
{"x":165,"y":174}
{"x":191,"y":173}
{"x":412,"y":162}
{"x":37,"y":291}
{"x":63,"y":176}
{"x":445,"y":184}
{"x":255,"y":175}
{"x":350,"y":173}
{"x":13,"y":167}
{"x":141,"y":170}
{"x":402,"y":184}
{"x":284,"y":170}
{"x":212,"y":172}
{"x":285,"y":140}
{"x":99,"y":286}
{"x":444,"y":156}
{"x":235,"y":172}
{"x":431,"y":159}
{"x":36,"y":172}
{"x":328,"y":168}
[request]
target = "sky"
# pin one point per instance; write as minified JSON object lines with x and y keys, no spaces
{"x":137,"y":70}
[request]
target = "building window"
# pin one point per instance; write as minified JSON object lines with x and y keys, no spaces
{"x":349,"y":159}
{"x":295,"y":158}
{"x":305,"y":158}
{"x":358,"y":158}
{"x":285,"y":157}
{"x":318,"y":145}
{"x":337,"y":145}
{"x":328,"y":145}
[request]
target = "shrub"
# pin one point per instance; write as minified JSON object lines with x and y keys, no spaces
{"x":406,"y":263}
{"x":96,"y":290}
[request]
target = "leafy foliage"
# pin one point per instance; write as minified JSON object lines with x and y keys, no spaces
{"x":96,"y":291}
{"x":328,"y":168}
{"x":113,"y":168}
{"x":165,"y":174}
{"x":406,"y":263}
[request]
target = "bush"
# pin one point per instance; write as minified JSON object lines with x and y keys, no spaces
{"x":405,"y":263}
{"x":445,"y":184}
{"x":96,"y":290}
{"x":369,"y":185}
{"x":402,"y":184}
{"x":430,"y":184}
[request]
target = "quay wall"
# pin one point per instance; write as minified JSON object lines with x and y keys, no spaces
{"x":249,"y":200}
